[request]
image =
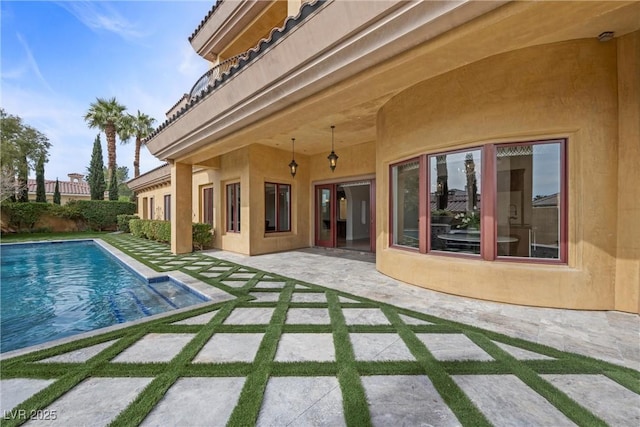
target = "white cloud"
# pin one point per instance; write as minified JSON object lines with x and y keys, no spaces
{"x":31,"y":64}
{"x":100,"y":16}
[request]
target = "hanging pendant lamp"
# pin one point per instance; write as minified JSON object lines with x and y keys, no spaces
{"x":293,"y":166}
{"x":333,"y":157}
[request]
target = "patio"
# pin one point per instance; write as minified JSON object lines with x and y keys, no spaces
{"x":306,"y":338}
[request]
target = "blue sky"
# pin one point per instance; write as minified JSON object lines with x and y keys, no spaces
{"x":58,"y":57}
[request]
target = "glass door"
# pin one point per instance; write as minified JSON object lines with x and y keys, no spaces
{"x":325,"y":219}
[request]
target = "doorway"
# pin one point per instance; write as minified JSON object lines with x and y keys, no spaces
{"x":345,"y":215}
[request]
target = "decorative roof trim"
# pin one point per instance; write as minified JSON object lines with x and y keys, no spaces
{"x":205,"y":19}
{"x":276,"y":34}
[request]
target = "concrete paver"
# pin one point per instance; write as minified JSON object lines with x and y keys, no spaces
{"x":94,"y":402}
{"x":607,"y":399}
{"x":16,"y":390}
{"x":79,"y":356}
{"x":305,"y":348}
{"x":406,"y":400}
{"x":379,"y":347}
{"x":228,"y":347}
{"x":302,"y":401}
{"x":197,"y":402}
{"x":154,"y":348}
{"x":452,"y":347}
{"x":506,"y":401}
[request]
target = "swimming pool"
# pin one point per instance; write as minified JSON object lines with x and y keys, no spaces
{"x":54,"y":290}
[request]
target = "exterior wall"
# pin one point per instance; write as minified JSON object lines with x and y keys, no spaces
{"x":158,"y":193}
{"x":353,"y":162}
{"x":234,"y":167}
{"x":628,"y":252}
{"x":566,"y":90}
{"x":270,"y":165}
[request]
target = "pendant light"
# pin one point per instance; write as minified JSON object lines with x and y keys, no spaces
{"x":293,"y":166}
{"x":333,"y":157}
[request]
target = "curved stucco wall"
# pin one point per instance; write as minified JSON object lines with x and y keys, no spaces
{"x":567,"y":90}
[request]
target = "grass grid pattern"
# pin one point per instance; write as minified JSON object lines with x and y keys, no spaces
{"x":283,"y":295}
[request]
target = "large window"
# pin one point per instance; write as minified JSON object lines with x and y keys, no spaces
{"x":167,"y":207}
{"x":405,"y":180}
{"x":503,"y":201}
{"x":455,"y":180}
{"x":152,"y":208}
{"x":207,"y":205}
{"x":529,"y":190}
{"x":277,"y":205}
{"x":233,"y":207}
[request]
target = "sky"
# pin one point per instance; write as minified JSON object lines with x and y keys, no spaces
{"x":57,"y":57}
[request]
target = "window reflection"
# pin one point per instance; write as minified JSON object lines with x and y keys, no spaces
{"x":406,"y":178}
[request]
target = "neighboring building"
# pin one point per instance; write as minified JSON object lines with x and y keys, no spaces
{"x":74,"y":189}
{"x":518,"y":120}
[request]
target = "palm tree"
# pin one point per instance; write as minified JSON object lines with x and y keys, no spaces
{"x":106,"y":115}
{"x":140,"y":126}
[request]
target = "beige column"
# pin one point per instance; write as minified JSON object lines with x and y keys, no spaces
{"x":181,"y":239}
{"x":627,"y":283}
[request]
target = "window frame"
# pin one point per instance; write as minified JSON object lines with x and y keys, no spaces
{"x":205,"y":208}
{"x":488,"y":204}
{"x":167,"y":207}
{"x":421,"y":203}
{"x":277,"y":207}
{"x":233,"y":224}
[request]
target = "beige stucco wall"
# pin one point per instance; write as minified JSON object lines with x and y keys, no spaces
{"x":270,"y":165}
{"x":157,"y":192}
{"x":353,"y":161}
{"x":627,"y":288}
{"x":566,"y":90}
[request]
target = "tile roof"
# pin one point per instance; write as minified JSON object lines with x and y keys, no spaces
{"x":205,"y":19}
{"x":65,"y":187}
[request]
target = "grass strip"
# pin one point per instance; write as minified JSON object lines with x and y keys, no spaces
{"x":248,"y":408}
{"x":463,"y":408}
{"x":354,"y":398}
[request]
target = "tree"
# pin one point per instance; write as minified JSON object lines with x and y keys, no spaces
{"x":41,"y":195}
{"x":113,"y":187}
{"x":122,"y":176}
{"x":95,"y":175}
{"x":56,"y":193}
{"x":21,"y":146}
{"x":140,"y":126}
{"x":107,"y":115}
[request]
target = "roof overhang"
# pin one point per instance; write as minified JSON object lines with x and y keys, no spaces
{"x":312,"y":78}
{"x":227,"y":21}
{"x":158,"y":176}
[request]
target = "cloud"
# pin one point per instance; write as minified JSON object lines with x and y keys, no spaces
{"x":100,"y":16}
{"x":32,"y":64}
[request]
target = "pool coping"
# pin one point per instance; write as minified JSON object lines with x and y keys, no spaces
{"x":194,"y":285}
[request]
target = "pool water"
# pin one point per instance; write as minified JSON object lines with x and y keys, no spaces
{"x":54,"y":290}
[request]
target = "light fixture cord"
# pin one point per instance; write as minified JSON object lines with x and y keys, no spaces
{"x":332,"y":127}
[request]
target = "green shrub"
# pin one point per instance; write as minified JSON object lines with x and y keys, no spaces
{"x":23,"y":216}
{"x":161,"y":231}
{"x":135,"y":227}
{"x":202,"y":235}
{"x":123,"y":222}
{"x":103,"y":214}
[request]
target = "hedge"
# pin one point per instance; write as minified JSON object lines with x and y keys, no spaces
{"x":97,"y":214}
{"x":102,"y":214}
{"x":23,"y":216}
{"x":160,"y":231}
{"x":123,"y":222}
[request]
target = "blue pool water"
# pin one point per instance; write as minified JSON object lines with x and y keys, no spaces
{"x":55,"y":290}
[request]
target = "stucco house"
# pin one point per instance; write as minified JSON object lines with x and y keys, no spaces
{"x":520,"y":121}
{"x":73,"y":189}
